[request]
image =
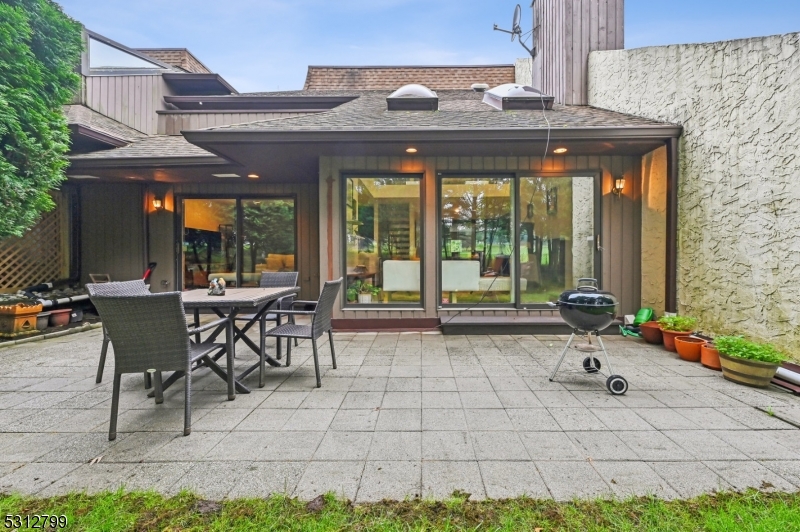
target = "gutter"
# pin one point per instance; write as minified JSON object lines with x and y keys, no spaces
{"x":133,"y":162}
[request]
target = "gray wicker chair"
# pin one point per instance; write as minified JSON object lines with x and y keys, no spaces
{"x":150,"y":334}
{"x":123,"y":288}
{"x":320,"y":324}
{"x":274,"y":280}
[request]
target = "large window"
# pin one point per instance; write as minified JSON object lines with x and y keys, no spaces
{"x":477,"y":240}
{"x":383,"y":239}
{"x":212,"y":247}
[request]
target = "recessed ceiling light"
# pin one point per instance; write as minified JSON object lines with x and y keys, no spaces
{"x":83,"y":177}
{"x":411,"y":150}
{"x":560,"y":150}
{"x":252,"y":176}
{"x":226,"y":175}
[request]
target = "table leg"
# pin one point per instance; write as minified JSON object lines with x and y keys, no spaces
{"x":197,"y":324}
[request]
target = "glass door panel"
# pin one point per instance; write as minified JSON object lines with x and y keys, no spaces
{"x":209,"y":241}
{"x":268,"y":238}
{"x":477,"y":240}
{"x":556,"y":237}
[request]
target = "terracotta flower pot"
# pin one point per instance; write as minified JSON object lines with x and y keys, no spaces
{"x":688,"y":347}
{"x":709,"y":357}
{"x":748,"y":372}
{"x":18,"y":319}
{"x":59,"y":318}
{"x":669,"y":338}
{"x":651,"y":332}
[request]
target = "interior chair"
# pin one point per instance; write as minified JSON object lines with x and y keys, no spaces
{"x":274,"y":280}
{"x":124,"y":288}
{"x":320,"y":324}
{"x":149,"y":333}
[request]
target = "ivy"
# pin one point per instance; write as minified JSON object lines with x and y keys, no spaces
{"x":40,"y":47}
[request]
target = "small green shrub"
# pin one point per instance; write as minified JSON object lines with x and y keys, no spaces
{"x":736,"y":346}
{"x":677,"y":323}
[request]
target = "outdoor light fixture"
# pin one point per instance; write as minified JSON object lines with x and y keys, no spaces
{"x":158,"y":204}
{"x":252,"y":176}
{"x":559,"y":151}
{"x":619,"y":184}
{"x":411,"y":150}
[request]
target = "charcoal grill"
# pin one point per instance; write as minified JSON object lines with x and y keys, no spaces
{"x":588,"y":310}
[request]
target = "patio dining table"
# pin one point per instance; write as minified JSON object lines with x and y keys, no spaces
{"x":229,"y":305}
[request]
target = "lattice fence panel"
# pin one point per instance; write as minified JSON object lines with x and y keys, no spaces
{"x":38,"y":256}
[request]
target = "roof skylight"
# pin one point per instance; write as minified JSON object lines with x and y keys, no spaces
{"x":413,"y":97}
{"x":511,"y":96}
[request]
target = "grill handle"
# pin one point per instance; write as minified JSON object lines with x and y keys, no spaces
{"x":587,"y":283}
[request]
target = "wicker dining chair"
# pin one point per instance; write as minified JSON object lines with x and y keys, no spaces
{"x":150,"y":334}
{"x":320,"y":324}
{"x":274,"y":280}
{"x":122,"y":288}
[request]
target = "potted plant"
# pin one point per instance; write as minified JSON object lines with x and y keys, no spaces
{"x":366,"y":291}
{"x":709,"y":356}
{"x":18,"y":319}
{"x":673,"y":326}
{"x":352,"y":294}
{"x":749,"y":363}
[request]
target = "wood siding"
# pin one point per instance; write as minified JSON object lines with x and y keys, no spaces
{"x":621,"y":218}
{"x":568,"y":31}
{"x":112,"y":231}
{"x":132,"y":100}
{"x":173,"y":123}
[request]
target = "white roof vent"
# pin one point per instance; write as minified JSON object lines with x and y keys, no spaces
{"x":413,"y":97}
{"x":512,"y":96}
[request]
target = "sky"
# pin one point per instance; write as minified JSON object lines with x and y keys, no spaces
{"x":265,"y":45}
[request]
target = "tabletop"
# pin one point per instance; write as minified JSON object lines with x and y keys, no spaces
{"x":235,"y":297}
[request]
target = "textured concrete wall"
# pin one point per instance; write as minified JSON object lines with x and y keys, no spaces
{"x":739,"y":190}
{"x":654,"y":229}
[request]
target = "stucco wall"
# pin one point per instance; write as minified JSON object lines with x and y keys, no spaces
{"x":654,"y":229}
{"x":739,"y":199}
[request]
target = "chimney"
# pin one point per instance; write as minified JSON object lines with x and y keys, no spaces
{"x":566,"y":32}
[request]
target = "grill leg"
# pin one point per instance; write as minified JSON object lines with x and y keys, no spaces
{"x":563,"y":354}
{"x":608,"y":362}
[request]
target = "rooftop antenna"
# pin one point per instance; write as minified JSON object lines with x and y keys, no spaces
{"x":516,"y":31}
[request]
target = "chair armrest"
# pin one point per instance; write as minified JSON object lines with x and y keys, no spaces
{"x":301,"y":302}
{"x":209,"y":325}
{"x":295,"y":312}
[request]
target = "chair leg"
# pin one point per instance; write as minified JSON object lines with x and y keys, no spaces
{"x":291,"y":318}
{"x":333,"y":353}
{"x":230,"y":354}
{"x":187,"y":404}
{"x":316,"y":362}
{"x":159,"y":387}
{"x":289,"y":351}
{"x":278,"y":340}
{"x":112,"y":428}
{"x":103,"y":353}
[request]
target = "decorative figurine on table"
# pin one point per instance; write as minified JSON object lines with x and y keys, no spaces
{"x":216,"y":287}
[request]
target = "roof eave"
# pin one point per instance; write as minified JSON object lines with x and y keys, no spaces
{"x":135,"y":162}
{"x":97,"y":135}
{"x":200,"y":137}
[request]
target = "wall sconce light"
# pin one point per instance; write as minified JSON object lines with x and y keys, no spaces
{"x":619,"y":184}
{"x":158,"y":204}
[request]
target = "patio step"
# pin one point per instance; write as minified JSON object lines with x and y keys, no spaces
{"x":511,"y":325}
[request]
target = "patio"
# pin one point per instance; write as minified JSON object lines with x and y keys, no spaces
{"x":405,"y":415}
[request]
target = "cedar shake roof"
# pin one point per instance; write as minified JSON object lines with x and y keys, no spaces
{"x":177,"y":57}
{"x":457,"y":110}
{"x":154,"y":146}
{"x":81,"y":115}
{"x":393,"y":77}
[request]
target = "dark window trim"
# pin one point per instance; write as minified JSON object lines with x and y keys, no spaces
{"x":347,"y":306}
{"x":179,"y":229}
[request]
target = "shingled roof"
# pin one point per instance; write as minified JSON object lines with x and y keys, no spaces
{"x":457,"y":110}
{"x":177,"y":57}
{"x":393,"y":77}
{"x":155,"y":146}
{"x":81,"y":115}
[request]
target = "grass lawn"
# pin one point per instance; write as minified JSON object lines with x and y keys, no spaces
{"x":750,"y":511}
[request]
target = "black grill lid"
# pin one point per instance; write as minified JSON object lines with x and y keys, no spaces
{"x":587,"y":295}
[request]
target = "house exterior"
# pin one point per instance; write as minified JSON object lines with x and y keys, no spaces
{"x":436,"y":200}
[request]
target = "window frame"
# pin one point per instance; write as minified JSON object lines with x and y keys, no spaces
{"x":344,"y":178}
{"x":238,"y":198}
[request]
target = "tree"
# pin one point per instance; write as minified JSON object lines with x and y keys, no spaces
{"x":40,"y":47}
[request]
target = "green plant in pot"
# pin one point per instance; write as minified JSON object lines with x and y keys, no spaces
{"x":746,"y":362}
{"x":365,"y":291}
{"x":674,"y":326}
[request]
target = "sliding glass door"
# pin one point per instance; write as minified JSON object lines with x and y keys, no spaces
{"x":236,"y":239}
{"x":515,"y":241}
